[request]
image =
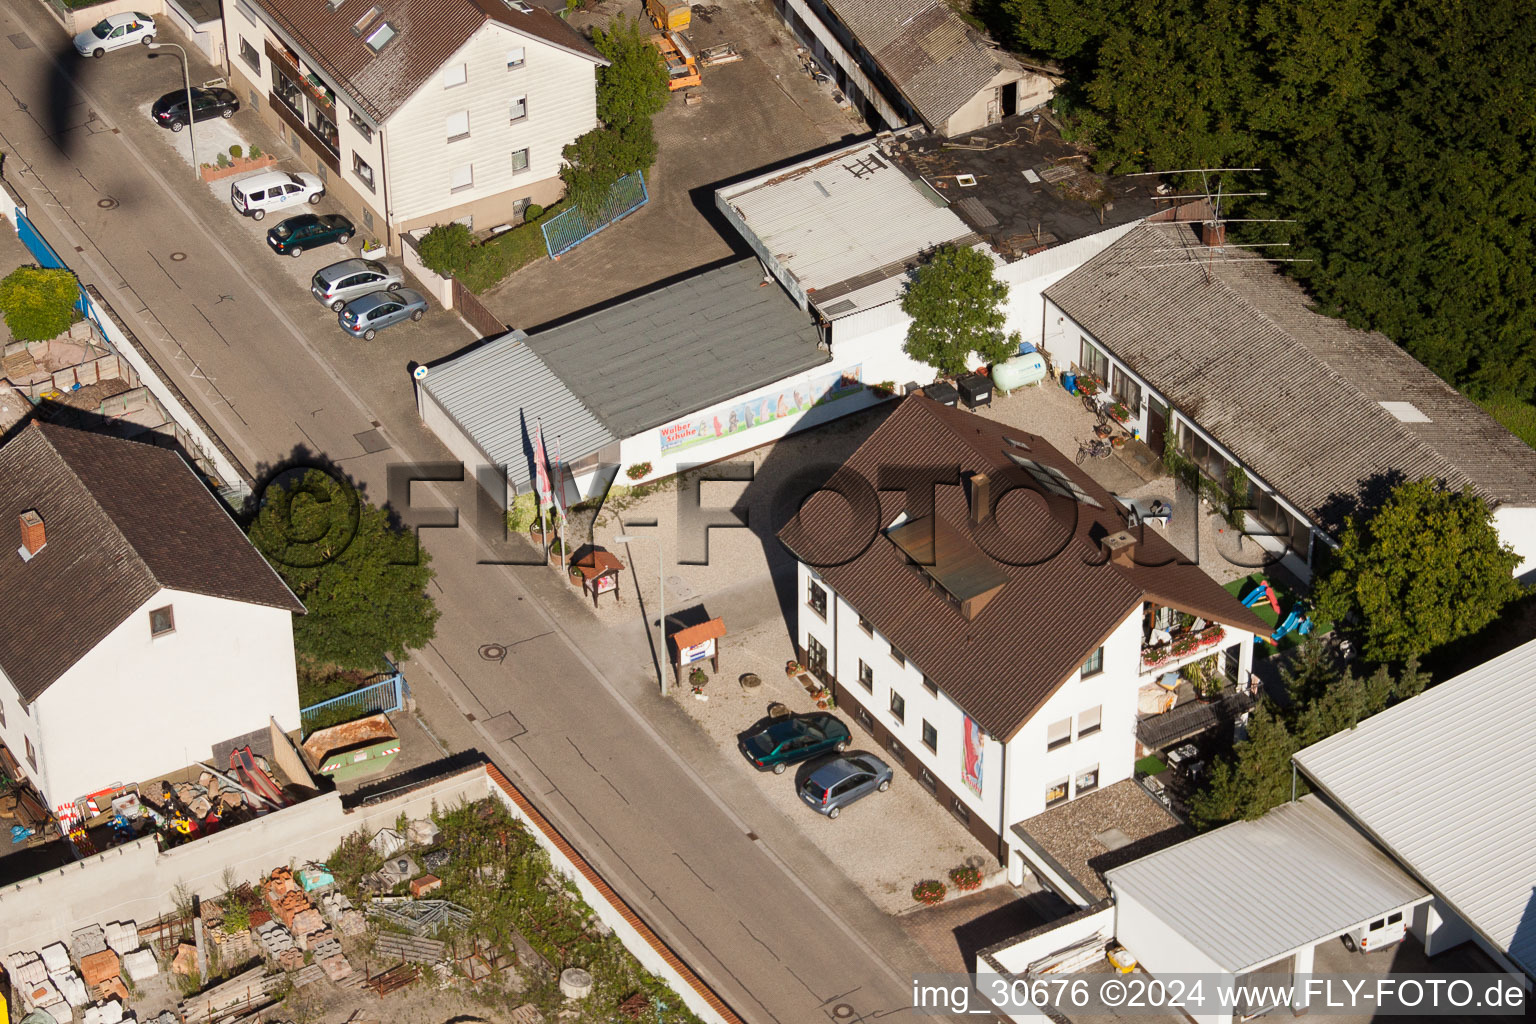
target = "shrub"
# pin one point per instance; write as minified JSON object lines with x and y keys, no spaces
{"x":255,"y":152}
{"x":638,"y":470}
{"x":39,"y":303}
{"x":484,"y":265}
{"x":929,"y":892}
{"x":698,"y":677}
{"x":965,"y":878}
{"x":445,"y":249}
{"x":532,"y":212}
{"x":234,"y":152}
{"x":223,"y":159}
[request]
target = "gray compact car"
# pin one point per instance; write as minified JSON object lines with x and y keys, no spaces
{"x":340,"y":283}
{"x":841,"y":781}
{"x":367,"y":316}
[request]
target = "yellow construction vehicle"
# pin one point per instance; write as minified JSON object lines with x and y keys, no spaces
{"x":682,"y":64}
{"x":670,"y":15}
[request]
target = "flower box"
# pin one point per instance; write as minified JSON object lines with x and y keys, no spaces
{"x":244,"y":165}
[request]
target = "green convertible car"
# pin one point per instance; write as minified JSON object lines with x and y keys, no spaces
{"x":791,"y":740}
{"x":308,"y":230}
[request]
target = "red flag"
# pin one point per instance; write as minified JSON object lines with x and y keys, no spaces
{"x":540,"y":465}
{"x":559,"y":475}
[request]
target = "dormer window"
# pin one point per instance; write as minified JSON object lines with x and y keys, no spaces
{"x":381,"y":37}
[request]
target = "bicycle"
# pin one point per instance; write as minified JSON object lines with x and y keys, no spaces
{"x":1095,"y":449}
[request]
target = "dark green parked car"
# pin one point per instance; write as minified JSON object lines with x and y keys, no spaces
{"x":308,"y":230}
{"x":791,"y":740}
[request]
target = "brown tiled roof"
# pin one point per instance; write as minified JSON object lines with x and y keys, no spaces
{"x":123,"y":519}
{"x":1295,"y":395}
{"x":1062,"y":598}
{"x":429,"y":32}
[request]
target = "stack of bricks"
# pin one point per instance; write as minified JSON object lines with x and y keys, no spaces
{"x":328,"y":956}
{"x":344,"y":917}
{"x":279,"y":945}
{"x":100,"y":972}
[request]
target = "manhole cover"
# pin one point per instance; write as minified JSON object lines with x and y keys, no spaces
{"x":108,"y":203}
{"x":177,"y":257}
{"x":842,"y":1011}
{"x":493,"y":652}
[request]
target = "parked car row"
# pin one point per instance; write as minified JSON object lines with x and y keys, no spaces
{"x":366,"y":295}
{"x":829,"y":786}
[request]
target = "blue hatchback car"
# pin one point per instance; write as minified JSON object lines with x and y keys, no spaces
{"x":791,"y":740}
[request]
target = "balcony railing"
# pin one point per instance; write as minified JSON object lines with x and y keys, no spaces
{"x":1182,"y":648}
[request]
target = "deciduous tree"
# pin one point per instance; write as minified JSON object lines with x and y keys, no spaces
{"x":363,"y":580}
{"x":1426,"y":568}
{"x":956,"y":306}
{"x":38,"y":302}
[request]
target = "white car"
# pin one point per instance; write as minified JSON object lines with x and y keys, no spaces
{"x":115,"y":32}
{"x":255,"y":194}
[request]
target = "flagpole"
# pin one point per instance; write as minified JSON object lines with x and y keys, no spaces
{"x":559,"y":481}
{"x":539,"y":495}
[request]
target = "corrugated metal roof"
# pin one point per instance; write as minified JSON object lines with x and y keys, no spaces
{"x":428,"y":33}
{"x":1294,"y":394}
{"x":681,"y":348}
{"x":1447,"y":782}
{"x":123,"y":519}
{"x":497,"y":392}
{"x":937,"y":61}
{"x":842,"y":223}
{"x":1250,"y":892}
{"x":1061,"y":598}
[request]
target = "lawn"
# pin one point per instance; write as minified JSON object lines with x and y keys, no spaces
{"x":1517,"y":417}
{"x":1150,"y":765}
{"x":1287,"y":598}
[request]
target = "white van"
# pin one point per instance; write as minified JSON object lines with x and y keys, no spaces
{"x":1377,"y":934}
{"x":274,"y":190}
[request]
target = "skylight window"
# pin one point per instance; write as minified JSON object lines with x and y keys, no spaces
{"x":362,"y":24}
{"x":1406,"y":412}
{"x":1054,"y":481}
{"x":381,"y":37}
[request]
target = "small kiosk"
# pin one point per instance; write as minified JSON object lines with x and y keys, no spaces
{"x":696,"y":643}
{"x":599,"y":574}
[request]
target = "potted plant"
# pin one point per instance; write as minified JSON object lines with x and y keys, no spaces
{"x":1183,"y":645}
{"x":965,"y":878}
{"x":373,"y":247}
{"x":575,"y":576}
{"x":929,"y":891}
{"x":885,"y":389}
{"x":697,"y":678}
{"x":1120,"y":411}
{"x":638,"y":471}
{"x":792,"y":668}
{"x":1202,"y":675}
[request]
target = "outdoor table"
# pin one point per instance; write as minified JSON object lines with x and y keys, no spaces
{"x":1188,"y":752}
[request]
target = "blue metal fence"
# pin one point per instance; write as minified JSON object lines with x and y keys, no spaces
{"x":386,"y":695}
{"x":564,"y":231}
{"x":37,"y":244}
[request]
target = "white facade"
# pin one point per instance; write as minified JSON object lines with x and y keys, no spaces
{"x":1020,"y":773}
{"x":502,"y":93}
{"x":558,"y":94}
{"x":139,"y":705}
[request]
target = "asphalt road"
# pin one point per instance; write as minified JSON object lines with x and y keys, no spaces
{"x":571,"y":714}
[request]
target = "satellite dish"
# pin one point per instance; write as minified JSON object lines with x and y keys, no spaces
{"x":420,"y":373}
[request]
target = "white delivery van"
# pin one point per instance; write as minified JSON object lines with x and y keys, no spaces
{"x":257,"y":194}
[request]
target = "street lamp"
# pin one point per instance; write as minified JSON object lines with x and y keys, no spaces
{"x":186,"y":77}
{"x":661,"y":586}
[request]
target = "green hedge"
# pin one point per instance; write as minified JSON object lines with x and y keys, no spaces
{"x":449,"y":249}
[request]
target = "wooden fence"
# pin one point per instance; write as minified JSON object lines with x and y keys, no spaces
{"x":474,"y":312}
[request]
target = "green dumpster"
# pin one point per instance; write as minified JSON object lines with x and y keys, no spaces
{"x":351,"y":749}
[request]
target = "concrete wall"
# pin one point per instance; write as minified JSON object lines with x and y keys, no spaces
{"x":986,"y":107}
{"x":1517,"y":528}
{"x":561,"y":96}
{"x":137,"y":881}
{"x":826,"y":42}
{"x":161,"y":703}
{"x":1015,"y":959}
{"x":1162,"y":950}
{"x":210,"y":43}
{"x":440,"y":288}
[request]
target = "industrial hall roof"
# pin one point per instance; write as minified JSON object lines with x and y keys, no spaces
{"x":1318,"y":410}
{"x":1253,"y":891}
{"x":499,"y":392}
{"x":683,"y":347}
{"x":937,"y":61}
{"x":122,"y":520}
{"x":1061,"y":596}
{"x":334,"y":36}
{"x":1446,"y":782}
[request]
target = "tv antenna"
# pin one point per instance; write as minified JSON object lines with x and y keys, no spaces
{"x":1213,"y":227}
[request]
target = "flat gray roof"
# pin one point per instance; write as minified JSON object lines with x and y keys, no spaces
{"x":681,"y":348}
{"x":1447,"y":782}
{"x":1253,"y":891}
{"x":498,"y":392}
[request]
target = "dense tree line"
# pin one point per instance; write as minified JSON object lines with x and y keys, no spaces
{"x":1398,"y":134}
